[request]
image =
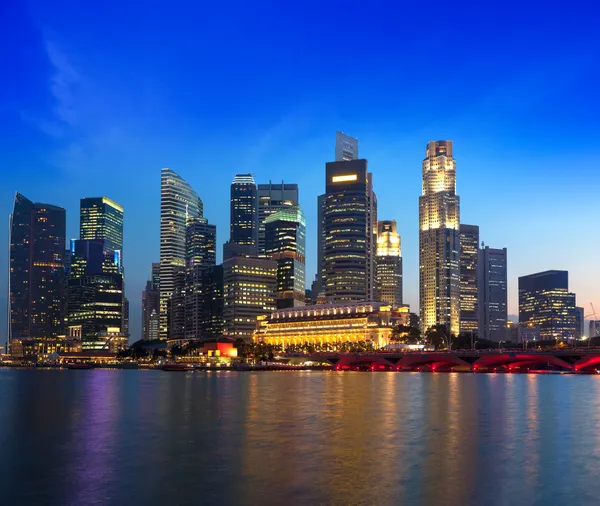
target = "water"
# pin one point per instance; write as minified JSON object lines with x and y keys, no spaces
{"x":286,"y":438}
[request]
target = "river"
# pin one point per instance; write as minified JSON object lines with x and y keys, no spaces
{"x":96,"y":437}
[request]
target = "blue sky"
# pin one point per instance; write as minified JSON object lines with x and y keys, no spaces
{"x":96,"y":98}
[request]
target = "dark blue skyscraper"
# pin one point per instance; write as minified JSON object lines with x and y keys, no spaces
{"x":244,"y":212}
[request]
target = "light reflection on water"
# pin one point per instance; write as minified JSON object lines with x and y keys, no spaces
{"x":148,"y":437}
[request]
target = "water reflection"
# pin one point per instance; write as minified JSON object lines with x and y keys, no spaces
{"x":147,"y":437}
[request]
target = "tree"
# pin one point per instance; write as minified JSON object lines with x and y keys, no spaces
{"x":439,"y":337}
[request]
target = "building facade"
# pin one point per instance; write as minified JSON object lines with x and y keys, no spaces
{"x":151,"y":305}
{"x":493,"y":294}
{"x":244,"y":212}
{"x":388,"y":264}
{"x":346,"y":147}
{"x":102,"y":218}
{"x":285,"y":243}
{"x":330,"y":323}
{"x":178,"y":203}
{"x":545,"y":302}
{"x":439,"y":240}
{"x":36,"y":270}
{"x":594,"y":328}
{"x":350,"y":217}
{"x":469,"y":254}
{"x":272,"y":198}
{"x":249,"y":286}
{"x":212,"y":302}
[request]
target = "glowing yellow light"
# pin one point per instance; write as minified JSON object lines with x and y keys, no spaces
{"x":345,"y":178}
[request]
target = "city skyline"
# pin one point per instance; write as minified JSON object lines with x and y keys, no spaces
{"x":517,"y":130}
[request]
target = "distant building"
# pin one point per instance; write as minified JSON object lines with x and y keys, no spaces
{"x":176,"y":307}
{"x":36,"y":270}
{"x":285,"y":238}
{"x":178,"y":203}
{"x":522,"y":334}
{"x":350,"y":221}
{"x":580,"y":319}
{"x":439,"y":240}
{"x":331,"y":323}
{"x":244,"y":212}
{"x":346,"y":147}
{"x":545,"y":302}
{"x":151,"y":305}
{"x":594,"y":328}
{"x":388,"y":264}
{"x":469,"y":253}
{"x":493,"y":294}
{"x":272,"y":198}
{"x":249,"y":286}
{"x":212,"y":323}
{"x":102,"y":218}
{"x":319,"y":284}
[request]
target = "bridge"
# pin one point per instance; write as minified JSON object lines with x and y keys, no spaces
{"x":572,"y":360}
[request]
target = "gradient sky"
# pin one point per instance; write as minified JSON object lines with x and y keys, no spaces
{"x":97,"y":97}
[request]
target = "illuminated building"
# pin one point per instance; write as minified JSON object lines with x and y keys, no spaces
{"x":272,"y":198}
{"x":285,"y":238}
{"x":102,"y":218}
{"x":244,"y":212}
{"x":248,"y":291}
{"x":178,"y":203}
{"x":580,"y":319}
{"x":331,"y":323}
{"x":212,"y":302}
{"x":388,"y":264}
{"x":492,"y":294}
{"x":594,"y":328}
{"x":350,"y":224}
{"x":545,"y":301}
{"x":151,"y":305}
{"x":439,"y":241}
{"x":469,"y":253}
{"x":176,"y":307}
{"x":346,"y":147}
{"x":201,"y":253}
{"x":36,"y":270}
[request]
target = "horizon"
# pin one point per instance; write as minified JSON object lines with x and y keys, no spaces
{"x":99,"y":112}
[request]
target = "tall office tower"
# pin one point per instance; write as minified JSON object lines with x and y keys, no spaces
{"x":212,"y":302}
{"x":249,"y":286}
{"x":594,"y":328}
{"x":36,"y":270}
{"x":285,"y":242}
{"x":272,"y":198}
{"x":388,"y":264}
{"x":125,"y":324}
{"x":545,"y":302}
{"x":102,"y":218}
{"x":469,"y":253}
{"x":319,"y":283}
{"x":580,"y":318}
{"x":439,"y":241}
{"x":492,"y":294}
{"x":201,"y":253}
{"x":244,"y":211}
{"x":178,"y":203}
{"x":349,"y":214}
{"x":346,"y":147}
{"x":151,"y":305}
{"x":176,"y":307}
{"x":95,"y":294}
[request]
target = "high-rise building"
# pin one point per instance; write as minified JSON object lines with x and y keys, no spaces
{"x":102,"y":218}
{"x":178,"y":203}
{"x":151,"y":305}
{"x":249,"y":286}
{"x":346,"y":147}
{"x":272,"y":198}
{"x":594,"y":328}
{"x":285,"y":239}
{"x":176,"y":307}
{"x":492,"y":294}
{"x":319,"y":283}
{"x":545,"y":302}
{"x":36,"y":270}
{"x":580,"y":319}
{"x":469,"y":253}
{"x":350,"y":219}
{"x":212,"y":302}
{"x":244,"y":212}
{"x":388,"y":286}
{"x":439,"y":240}
{"x":201,"y":253}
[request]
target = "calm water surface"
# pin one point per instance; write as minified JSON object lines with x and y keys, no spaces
{"x":148,"y":437}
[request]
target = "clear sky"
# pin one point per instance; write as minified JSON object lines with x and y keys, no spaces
{"x":96,"y":97}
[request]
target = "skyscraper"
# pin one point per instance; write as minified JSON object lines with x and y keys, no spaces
{"x":102,"y":218}
{"x":388,"y":286}
{"x":469,"y":253}
{"x":492,"y":294}
{"x":272,"y":198}
{"x":151,"y":305}
{"x":244,"y":212}
{"x":249,"y":286}
{"x":545,"y":302}
{"x":201,"y":253}
{"x":212,"y":302}
{"x":439,"y":241}
{"x":36,"y":270}
{"x":178,"y":203}
{"x":285,"y":238}
{"x":350,"y":217}
{"x":346,"y":147}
